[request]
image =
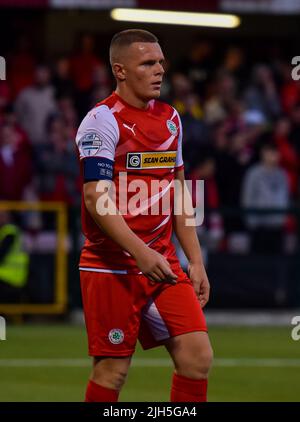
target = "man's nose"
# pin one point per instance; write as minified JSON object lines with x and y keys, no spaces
{"x":159,"y":69}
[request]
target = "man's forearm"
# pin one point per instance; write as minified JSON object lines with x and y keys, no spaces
{"x":113,"y":225}
{"x":188,"y":239}
{"x":116,"y":228}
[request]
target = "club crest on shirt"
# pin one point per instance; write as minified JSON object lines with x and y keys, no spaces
{"x":116,"y":336}
{"x":172,"y":127}
{"x":90,"y":144}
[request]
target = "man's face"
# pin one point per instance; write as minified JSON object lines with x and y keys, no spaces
{"x":270,"y":157}
{"x":143,"y":69}
{"x":42,"y":76}
{"x":8,"y":136}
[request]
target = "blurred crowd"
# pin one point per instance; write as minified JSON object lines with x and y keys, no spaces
{"x":241,"y":124}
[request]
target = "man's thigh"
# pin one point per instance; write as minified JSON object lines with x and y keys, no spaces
{"x":112,"y":308}
{"x":175,"y":310}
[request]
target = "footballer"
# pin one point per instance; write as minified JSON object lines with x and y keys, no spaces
{"x":133,"y":287}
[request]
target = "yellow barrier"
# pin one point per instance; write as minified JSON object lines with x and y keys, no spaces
{"x":60,"y":290}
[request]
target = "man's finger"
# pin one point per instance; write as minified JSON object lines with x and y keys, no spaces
{"x":203,"y":299}
{"x":153,"y":277}
{"x":172,"y":276}
{"x":168,"y":273}
{"x":159,"y":273}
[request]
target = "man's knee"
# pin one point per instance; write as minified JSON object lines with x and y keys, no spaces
{"x":110,"y":372}
{"x":204,"y":361}
{"x":192,"y":356}
{"x":196,"y":364}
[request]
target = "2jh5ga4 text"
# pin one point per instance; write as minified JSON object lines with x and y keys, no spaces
{"x":151,"y":411}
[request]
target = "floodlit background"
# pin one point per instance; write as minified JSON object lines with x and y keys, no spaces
{"x":230,"y":78}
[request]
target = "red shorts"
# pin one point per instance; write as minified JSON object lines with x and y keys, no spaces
{"x":121,"y":308}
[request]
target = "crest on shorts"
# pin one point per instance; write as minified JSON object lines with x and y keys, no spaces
{"x":172,"y":127}
{"x":116,"y":336}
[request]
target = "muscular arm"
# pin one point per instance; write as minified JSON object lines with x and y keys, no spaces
{"x":150,"y":262}
{"x":189,"y":242}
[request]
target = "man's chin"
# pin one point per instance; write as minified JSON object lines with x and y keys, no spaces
{"x":155,"y":94}
{"x":151,"y":95}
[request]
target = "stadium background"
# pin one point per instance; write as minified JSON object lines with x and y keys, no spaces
{"x":234,"y":91}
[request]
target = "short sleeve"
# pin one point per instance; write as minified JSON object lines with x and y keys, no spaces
{"x":96,"y":139}
{"x":179,"y":160}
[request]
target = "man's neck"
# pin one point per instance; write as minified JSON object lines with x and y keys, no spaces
{"x":131,"y":99}
{"x":269,"y":167}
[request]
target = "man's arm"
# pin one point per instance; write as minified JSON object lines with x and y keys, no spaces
{"x":152,"y":264}
{"x":249,"y":189}
{"x":189,"y":242}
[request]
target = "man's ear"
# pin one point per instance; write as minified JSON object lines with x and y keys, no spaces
{"x":119,"y":71}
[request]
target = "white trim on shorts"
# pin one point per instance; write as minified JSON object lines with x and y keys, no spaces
{"x":103,"y":270}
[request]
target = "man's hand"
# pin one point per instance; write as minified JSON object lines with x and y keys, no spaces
{"x":155,"y":266}
{"x":198,"y":276}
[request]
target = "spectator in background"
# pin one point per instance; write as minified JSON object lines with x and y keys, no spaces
{"x":221,"y":91}
{"x":5,"y":97}
{"x":101,"y":87}
{"x":289,"y":159}
{"x":229,"y":173}
{"x":15,"y":163}
{"x":68,"y":114}
{"x":35,"y":104}
{"x":188,"y":104}
{"x":62,"y":82}
{"x":83,"y":65}
{"x":58,"y":166}
{"x":182,"y":87}
{"x":21,"y":66}
{"x":211,"y":232}
{"x":14,"y":262}
{"x":295,"y":128}
{"x":262,"y":94}
{"x":266,"y":186}
{"x":234,"y":63}
{"x":198,"y":65}
{"x":234,"y":140}
{"x":243,"y":128}
{"x":290,"y":89}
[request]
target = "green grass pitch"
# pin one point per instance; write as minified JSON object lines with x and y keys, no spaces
{"x":50,"y":363}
